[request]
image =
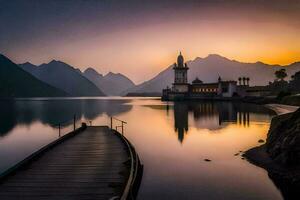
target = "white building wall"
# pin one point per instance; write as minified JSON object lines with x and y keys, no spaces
{"x":231,"y":90}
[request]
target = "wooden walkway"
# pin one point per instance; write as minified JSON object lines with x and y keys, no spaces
{"x":93,"y":164}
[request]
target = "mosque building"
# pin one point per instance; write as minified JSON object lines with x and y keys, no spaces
{"x":181,"y":89}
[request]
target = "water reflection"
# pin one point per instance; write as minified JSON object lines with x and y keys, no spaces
{"x":52,"y":112}
{"x":181,"y":120}
{"x":171,"y":139}
{"x":214,"y":115}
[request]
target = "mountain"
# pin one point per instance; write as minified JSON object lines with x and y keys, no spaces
{"x":210,"y":68}
{"x":15,"y":82}
{"x":112,"y":84}
{"x":64,"y":77}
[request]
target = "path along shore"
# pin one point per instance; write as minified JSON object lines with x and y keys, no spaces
{"x":281,"y":108}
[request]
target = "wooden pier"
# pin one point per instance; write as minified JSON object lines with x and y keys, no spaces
{"x":93,"y":162}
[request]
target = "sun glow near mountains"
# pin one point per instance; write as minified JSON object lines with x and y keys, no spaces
{"x":141,"y":39}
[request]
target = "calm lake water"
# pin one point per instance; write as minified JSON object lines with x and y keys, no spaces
{"x":172,"y":140}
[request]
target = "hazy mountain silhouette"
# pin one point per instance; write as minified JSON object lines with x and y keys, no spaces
{"x":64,"y":77}
{"x":111,"y":84}
{"x":210,"y":68}
{"x":15,"y":82}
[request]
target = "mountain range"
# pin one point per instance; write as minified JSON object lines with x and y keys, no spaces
{"x":15,"y":82}
{"x":77,"y":83}
{"x":63,"y":76}
{"x":60,"y":79}
{"x":208,"y":69}
{"x":111,"y":84}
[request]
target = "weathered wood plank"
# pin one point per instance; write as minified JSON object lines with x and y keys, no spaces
{"x":89,"y":165}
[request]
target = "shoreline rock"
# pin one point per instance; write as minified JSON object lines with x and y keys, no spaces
{"x":283,"y":140}
{"x":259,"y":156}
{"x":286,"y":179}
{"x":280,"y":156}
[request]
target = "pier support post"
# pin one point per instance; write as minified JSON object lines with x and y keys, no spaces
{"x":74,"y":122}
{"x":122,"y":129}
{"x":58,"y":130}
{"x":111,"y":123}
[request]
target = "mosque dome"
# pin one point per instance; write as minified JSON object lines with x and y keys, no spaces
{"x":197,"y":81}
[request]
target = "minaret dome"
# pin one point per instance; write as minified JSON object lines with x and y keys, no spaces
{"x":180,"y":60}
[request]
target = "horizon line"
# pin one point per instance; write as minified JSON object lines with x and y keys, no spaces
{"x":165,"y":68}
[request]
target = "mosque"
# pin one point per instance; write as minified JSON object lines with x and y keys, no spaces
{"x":181,"y":89}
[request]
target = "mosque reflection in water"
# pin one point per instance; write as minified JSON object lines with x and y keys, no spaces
{"x":221,"y":113}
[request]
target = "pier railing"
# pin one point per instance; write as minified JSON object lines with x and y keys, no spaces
{"x":119,"y":125}
{"x":135,"y":176}
{"x":75,"y":122}
{"x":136,"y":168}
{"x":75,"y":125}
{"x":68,"y":125}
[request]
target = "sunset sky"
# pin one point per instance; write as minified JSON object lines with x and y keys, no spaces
{"x":140,"y":38}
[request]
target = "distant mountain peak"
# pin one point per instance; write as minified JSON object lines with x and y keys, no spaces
{"x":27,"y":63}
{"x":216,"y":56}
{"x":113,"y":74}
{"x":260,"y":63}
{"x":91,"y":70}
{"x":112,"y":83}
{"x":197,"y":58}
{"x":56,"y":62}
{"x":52,"y":61}
{"x":59,"y":64}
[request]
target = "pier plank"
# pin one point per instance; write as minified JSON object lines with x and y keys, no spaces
{"x":89,"y":165}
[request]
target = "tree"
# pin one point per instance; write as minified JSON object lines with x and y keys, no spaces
{"x":247,"y":79}
{"x":281,"y":74}
{"x":294,"y":84}
{"x":244,"y":80}
{"x":240,"y":80}
{"x":296,"y":76}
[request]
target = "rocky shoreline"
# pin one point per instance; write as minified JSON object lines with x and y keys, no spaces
{"x":280,"y":156}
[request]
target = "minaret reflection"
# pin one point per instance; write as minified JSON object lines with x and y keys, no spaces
{"x":209,"y":115}
{"x":234,"y":113}
{"x":227,"y":113}
{"x":168,"y":108}
{"x":243,"y":118}
{"x":181,"y":120}
{"x":204,"y":110}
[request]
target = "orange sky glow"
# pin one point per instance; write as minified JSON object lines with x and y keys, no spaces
{"x":142,"y":48}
